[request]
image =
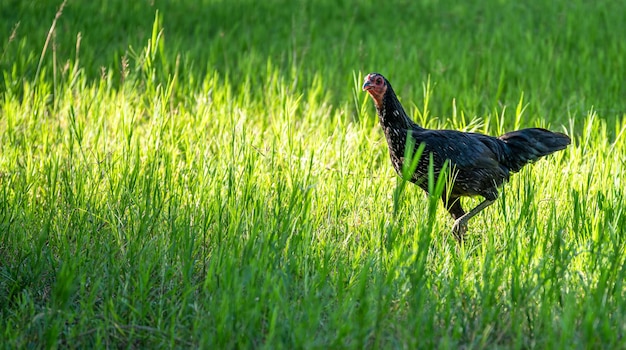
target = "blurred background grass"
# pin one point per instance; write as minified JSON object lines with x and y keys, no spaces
{"x":564,"y":56}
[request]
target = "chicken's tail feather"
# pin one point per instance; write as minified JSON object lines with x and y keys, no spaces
{"x":527,"y":145}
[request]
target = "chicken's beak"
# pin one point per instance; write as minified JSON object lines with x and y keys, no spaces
{"x":367,"y":85}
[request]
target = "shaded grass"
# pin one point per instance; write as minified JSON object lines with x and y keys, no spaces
{"x":565,"y":57}
{"x":224,"y":197}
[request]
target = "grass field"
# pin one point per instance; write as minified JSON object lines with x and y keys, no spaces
{"x":209,"y":174}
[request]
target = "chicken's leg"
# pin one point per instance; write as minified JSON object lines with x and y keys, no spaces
{"x":460,"y":224}
{"x":453,"y":205}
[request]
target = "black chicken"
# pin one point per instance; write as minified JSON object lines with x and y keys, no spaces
{"x":480,"y":163}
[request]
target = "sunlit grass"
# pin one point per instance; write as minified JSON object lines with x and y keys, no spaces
{"x":230,"y":187}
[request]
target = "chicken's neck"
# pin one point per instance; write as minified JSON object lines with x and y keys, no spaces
{"x":396,"y":124}
{"x":391,"y":114}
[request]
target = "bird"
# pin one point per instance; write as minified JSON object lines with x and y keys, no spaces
{"x":480,"y":164}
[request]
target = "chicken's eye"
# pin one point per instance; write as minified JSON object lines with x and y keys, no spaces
{"x":379,"y":81}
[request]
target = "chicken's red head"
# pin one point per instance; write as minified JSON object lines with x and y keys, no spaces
{"x":376,"y":85}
